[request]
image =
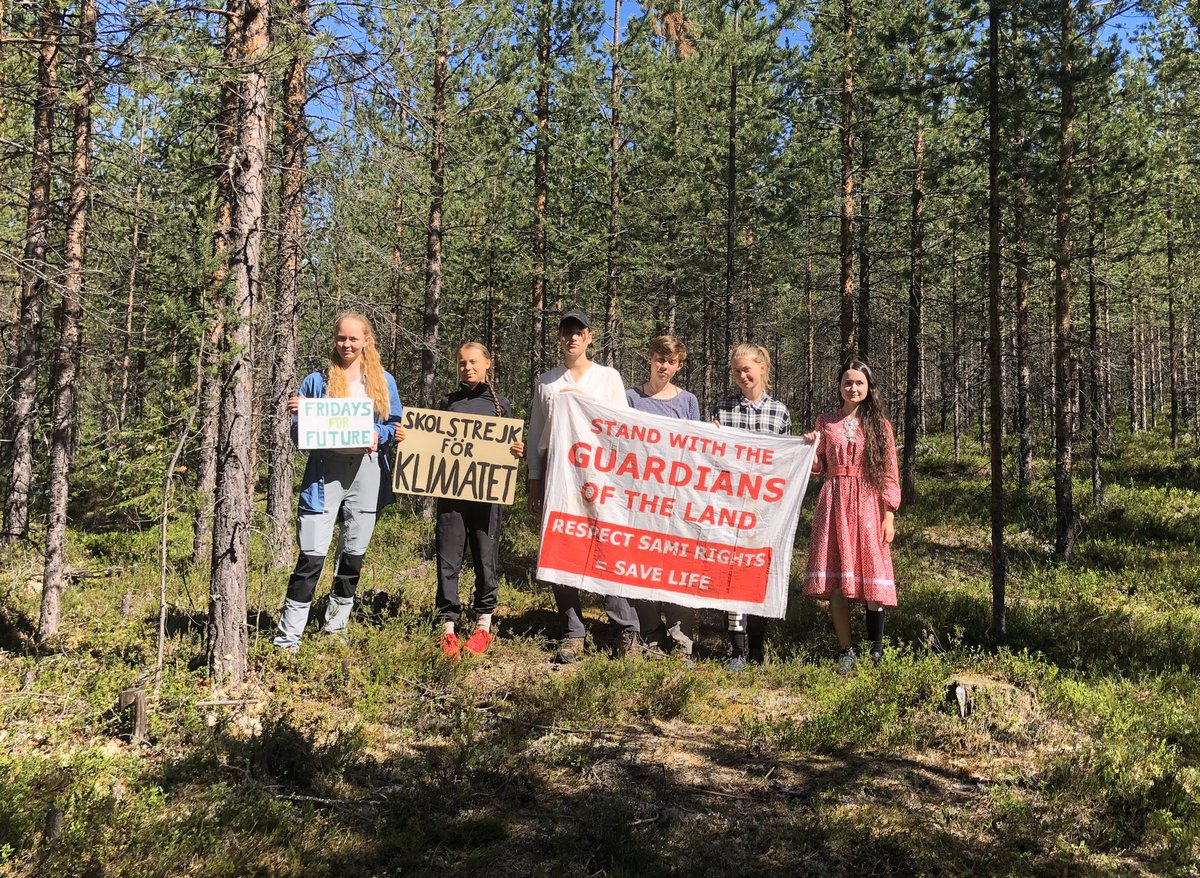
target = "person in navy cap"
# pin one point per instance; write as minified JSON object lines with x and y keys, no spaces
{"x":578,"y":374}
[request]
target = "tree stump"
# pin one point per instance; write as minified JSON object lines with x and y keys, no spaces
{"x":135,"y":697}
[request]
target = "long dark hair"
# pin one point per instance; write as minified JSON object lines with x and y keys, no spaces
{"x":872,"y":419}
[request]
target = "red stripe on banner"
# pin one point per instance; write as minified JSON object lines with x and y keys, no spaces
{"x":631,"y":556}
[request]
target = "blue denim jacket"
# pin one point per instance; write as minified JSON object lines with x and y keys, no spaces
{"x":312,"y":485}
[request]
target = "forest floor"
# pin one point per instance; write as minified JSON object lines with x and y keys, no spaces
{"x":380,"y":757}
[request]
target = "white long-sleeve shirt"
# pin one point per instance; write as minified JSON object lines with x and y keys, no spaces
{"x":598,"y":382}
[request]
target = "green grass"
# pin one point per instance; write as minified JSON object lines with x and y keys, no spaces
{"x":380,"y":757}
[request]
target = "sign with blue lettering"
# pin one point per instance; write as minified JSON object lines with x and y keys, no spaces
{"x":335,"y":423}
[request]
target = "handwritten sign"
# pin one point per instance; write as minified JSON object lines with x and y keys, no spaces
{"x":463,"y":457}
{"x":333,"y":423}
{"x":649,"y":507}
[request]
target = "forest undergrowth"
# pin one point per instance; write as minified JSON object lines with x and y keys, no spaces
{"x":380,"y":757}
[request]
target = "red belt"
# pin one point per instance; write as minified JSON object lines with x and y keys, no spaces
{"x":855,"y":471}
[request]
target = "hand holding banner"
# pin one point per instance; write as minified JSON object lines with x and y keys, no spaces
{"x":649,"y":507}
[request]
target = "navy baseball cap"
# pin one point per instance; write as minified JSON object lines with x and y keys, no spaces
{"x":578,"y":316}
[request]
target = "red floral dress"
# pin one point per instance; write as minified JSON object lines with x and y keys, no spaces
{"x":847,"y":550}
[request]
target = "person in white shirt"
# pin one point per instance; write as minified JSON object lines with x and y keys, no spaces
{"x":577,"y":374}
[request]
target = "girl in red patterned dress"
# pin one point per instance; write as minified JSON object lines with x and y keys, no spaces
{"x":849,"y":555}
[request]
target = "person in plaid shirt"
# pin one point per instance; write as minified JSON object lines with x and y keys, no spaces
{"x":756,"y":410}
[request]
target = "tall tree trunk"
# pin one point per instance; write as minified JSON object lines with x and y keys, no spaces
{"x":731,"y":195}
{"x":430,"y":316}
{"x":1024,"y":373}
{"x":955,"y":349}
{"x":131,"y":281}
{"x":34,"y":282}
{"x":995,"y":367}
{"x":396,"y":280}
{"x":1173,"y":367}
{"x":810,"y":342}
{"x":846,"y":224}
{"x":1132,"y":362}
{"x":67,"y":351}
{"x":541,"y":187}
{"x":672,"y":225}
{"x":1096,"y":412}
{"x":210,"y":394}
{"x":231,"y":516}
{"x":1064,"y":512}
{"x":612,"y":291}
{"x":916,"y":263}
{"x":864,"y":257}
{"x":281,"y":470}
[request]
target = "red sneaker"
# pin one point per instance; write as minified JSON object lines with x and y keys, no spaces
{"x":449,"y":643}
{"x":478,"y":642}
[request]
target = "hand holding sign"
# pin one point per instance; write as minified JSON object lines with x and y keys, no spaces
{"x":459,"y":456}
{"x":336,"y":423}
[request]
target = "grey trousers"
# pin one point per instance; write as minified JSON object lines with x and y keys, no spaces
{"x":351,"y":489}
{"x":680,"y":625}
{"x":566,"y":598}
{"x":351,"y":498}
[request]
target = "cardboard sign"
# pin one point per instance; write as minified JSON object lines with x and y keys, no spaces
{"x":333,"y":423}
{"x":462,"y":457}
{"x":643,"y":506}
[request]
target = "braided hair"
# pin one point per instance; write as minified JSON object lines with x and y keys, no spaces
{"x":489,"y":376}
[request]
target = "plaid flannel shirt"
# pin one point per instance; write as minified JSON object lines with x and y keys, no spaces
{"x":768,"y":415}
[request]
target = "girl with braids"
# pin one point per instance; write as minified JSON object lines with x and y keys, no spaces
{"x":350,"y":485}
{"x":849,"y":556}
{"x":463,"y":522}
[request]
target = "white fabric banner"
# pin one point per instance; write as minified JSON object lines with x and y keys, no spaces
{"x":686,"y":512}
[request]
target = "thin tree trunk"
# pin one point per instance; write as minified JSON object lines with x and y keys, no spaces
{"x":430,"y":317}
{"x":672,"y":225}
{"x":131,"y":284}
{"x":1107,"y":365}
{"x":1024,"y":373}
{"x":955,"y":351}
{"x":1173,"y":365}
{"x":34,"y":281}
{"x":396,"y":284}
{"x":541,"y":160}
{"x":846,"y":224}
{"x":1094,"y":399}
{"x":612,"y":281}
{"x":864,"y":259}
{"x":231,"y":517}
{"x":70,"y":343}
{"x":916,"y":262}
{"x":281,"y":470}
{"x":731,"y":196}
{"x":1064,"y":512}
{"x":810,"y":342}
{"x":1133,"y":362}
{"x":210,"y":396}
{"x":999,"y":627}
{"x":1154,"y":373}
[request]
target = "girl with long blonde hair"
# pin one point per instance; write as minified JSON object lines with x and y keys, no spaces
{"x":349,"y":485}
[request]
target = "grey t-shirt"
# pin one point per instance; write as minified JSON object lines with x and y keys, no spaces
{"x":682,"y":405}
